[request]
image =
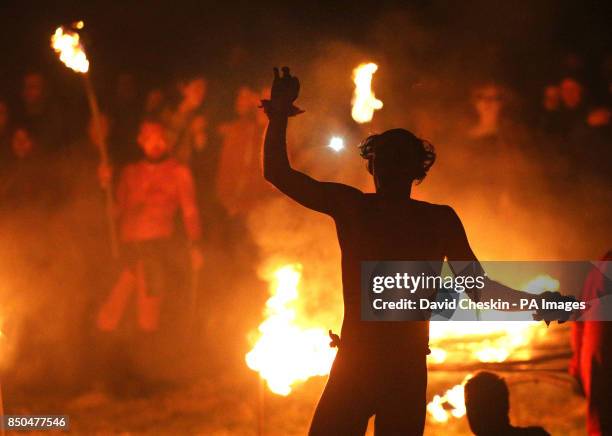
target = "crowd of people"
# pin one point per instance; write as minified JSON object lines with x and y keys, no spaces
{"x":168,"y":160}
{"x":571,"y":118}
{"x":158,"y":165}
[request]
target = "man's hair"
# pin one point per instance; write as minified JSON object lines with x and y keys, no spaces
{"x":490,"y":391}
{"x":416,"y":154}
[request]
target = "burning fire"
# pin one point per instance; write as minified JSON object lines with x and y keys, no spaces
{"x":364,"y":102}
{"x":491,"y":341}
{"x":453,"y":398}
{"x":290,"y":349}
{"x":288,"y":352}
{"x":67,"y":44}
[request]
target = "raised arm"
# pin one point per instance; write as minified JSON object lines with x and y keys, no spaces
{"x":320,"y":196}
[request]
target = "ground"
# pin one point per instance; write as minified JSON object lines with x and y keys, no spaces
{"x":228,"y":403}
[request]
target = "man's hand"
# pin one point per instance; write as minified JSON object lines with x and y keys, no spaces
{"x":549,"y":315}
{"x":285,"y":90}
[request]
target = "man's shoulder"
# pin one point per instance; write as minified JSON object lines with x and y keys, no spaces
{"x":434,"y":207}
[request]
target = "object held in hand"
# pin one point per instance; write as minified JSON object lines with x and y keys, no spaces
{"x":335,"y":340}
{"x":555,"y":299}
{"x":285,"y":90}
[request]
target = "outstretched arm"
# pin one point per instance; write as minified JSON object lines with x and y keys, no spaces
{"x":320,"y":196}
{"x":462,"y":261}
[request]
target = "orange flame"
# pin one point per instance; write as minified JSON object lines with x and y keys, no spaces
{"x":287,"y":352}
{"x":364,"y":102}
{"x":71,"y":52}
{"x":500,"y":340}
{"x":290,"y":348}
{"x":451,"y":403}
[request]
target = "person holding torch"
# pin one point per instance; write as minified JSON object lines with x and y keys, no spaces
{"x":149,"y":194}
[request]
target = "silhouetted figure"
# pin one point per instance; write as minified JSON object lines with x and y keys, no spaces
{"x":573,"y":112}
{"x":551,"y":116}
{"x":41,"y":114}
{"x":380,"y":367}
{"x":487,"y":402}
{"x":149,"y":195}
{"x":239,"y":185}
{"x":591,"y":364}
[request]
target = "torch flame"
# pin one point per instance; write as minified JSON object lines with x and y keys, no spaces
{"x":364,"y":102}
{"x":71,"y":52}
{"x":286,"y":352}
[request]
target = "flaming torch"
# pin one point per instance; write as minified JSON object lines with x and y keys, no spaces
{"x":364,"y":102}
{"x":67,"y":45}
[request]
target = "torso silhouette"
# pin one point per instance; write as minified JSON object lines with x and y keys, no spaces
{"x":371,"y":228}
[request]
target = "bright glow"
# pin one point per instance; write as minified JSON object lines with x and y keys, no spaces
{"x":450,"y":404}
{"x":336,"y":143}
{"x":437,"y":355}
{"x":290,"y":348}
{"x":67,"y":44}
{"x":286,"y":352}
{"x":491,"y":341}
{"x":364,"y":102}
{"x":542,"y":283}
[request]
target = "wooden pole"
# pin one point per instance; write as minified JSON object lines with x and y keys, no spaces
{"x":261,"y":406}
{"x":104,"y":160}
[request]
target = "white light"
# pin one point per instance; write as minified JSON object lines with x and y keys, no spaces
{"x":336,"y":143}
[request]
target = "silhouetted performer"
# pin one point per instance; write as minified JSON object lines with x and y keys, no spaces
{"x":487,"y":402}
{"x":591,"y":364}
{"x":380,"y":367}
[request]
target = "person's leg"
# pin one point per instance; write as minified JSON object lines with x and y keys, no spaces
{"x":345,"y":405}
{"x":149,"y":301}
{"x":113,"y":308}
{"x":154,"y":282}
{"x":401,"y":405}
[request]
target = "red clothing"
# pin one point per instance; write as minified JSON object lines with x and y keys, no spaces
{"x":592,"y":360}
{"x":148,"y":197}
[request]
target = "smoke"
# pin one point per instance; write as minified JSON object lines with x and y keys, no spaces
{"x":523,"y":201}
{"x":519,"y":197}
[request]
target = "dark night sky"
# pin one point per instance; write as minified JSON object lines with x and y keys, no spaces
{"x":162,"y":39}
